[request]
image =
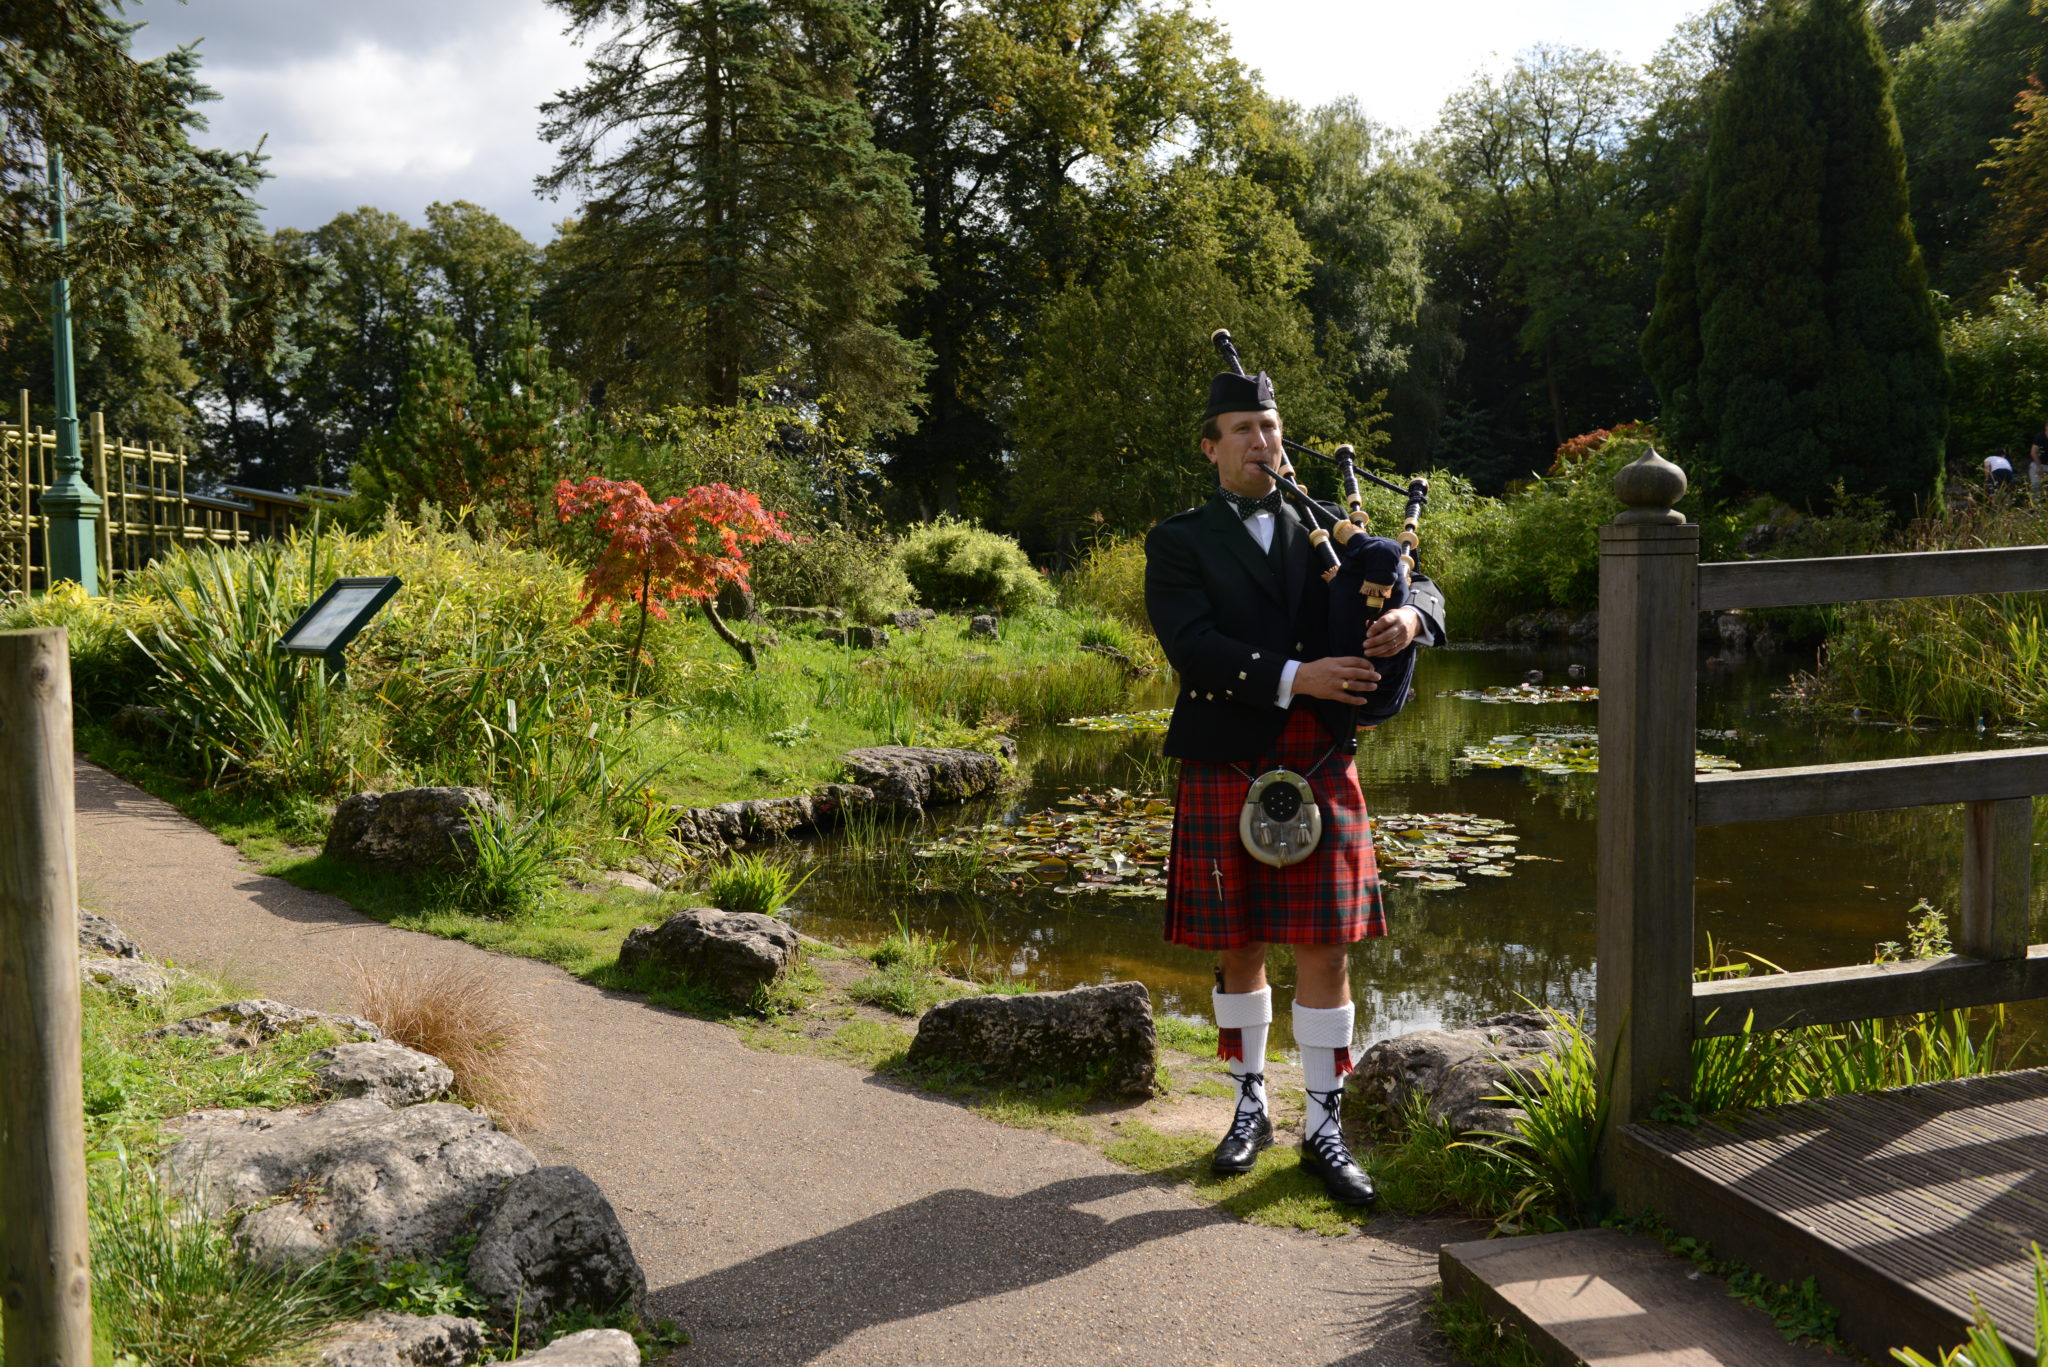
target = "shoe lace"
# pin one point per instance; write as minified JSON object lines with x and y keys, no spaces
{"x":1251,"y":1107}
{"x":1327,"y":1139}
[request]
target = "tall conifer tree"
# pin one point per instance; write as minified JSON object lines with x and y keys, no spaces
{"x":741,"y":220}
{"x":1819,"y":352}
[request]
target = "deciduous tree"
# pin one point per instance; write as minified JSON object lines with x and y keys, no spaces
{"x":682,"y":547}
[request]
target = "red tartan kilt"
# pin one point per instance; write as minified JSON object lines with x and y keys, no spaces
{"x":1219,"y":897}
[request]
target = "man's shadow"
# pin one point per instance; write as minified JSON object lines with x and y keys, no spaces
{"x":949,"y":1248}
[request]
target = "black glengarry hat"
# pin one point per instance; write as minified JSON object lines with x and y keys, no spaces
{"x":1230,"y":393}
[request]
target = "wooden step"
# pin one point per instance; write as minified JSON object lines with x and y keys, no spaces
{"x":1602,"y":1298}
{"x":1901,"y":1205}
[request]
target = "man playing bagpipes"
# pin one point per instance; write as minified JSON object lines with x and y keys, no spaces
{"x":1270,"y":839}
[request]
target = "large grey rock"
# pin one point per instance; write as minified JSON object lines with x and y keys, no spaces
{"x":1105,"y":1027}
{"x":246,"y":1024}
{"x":405,"y":1183}
{"x":387,"y":1339}
{"x":587,"y":1348}
{"x":142,"y":723}
{"x":983,"y":627}
{"x":733,"y":953}
{"x":909,"y":620}
{"x":102,"y":939}
{"x":383,"y":1070}
{"x":768,"y":818}
{"x":137,"y":978}
{"x":914,"y":777}
{"x":552,"y":1244}
{"x":867,"y":638}
{"x":1462,"y":1074}
{"x":412,"y":831}
{"x":802,"y":614}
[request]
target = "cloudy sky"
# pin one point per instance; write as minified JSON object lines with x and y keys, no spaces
{"x":397,"y":103}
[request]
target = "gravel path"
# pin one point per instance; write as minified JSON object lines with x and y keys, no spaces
{"x":794,"y":1211}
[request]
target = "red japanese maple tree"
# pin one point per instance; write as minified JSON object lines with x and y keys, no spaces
{"x":683,"y":547}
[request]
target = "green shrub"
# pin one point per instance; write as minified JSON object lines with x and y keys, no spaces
{"x":959,"y":565}
{"x":1998,"y":361}
{"x":108,"y":669}
{"x":1533,"y":549}
{"x":833,"y":567}
{"x":1111,"y":580}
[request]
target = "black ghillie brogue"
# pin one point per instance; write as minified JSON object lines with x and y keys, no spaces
{"x":1324,"y":1155}
{"x":1250,"y":1132}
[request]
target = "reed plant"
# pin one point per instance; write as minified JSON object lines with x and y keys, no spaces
{"x":509,"y":873}
{"x":1953,"y":661}
{"x":1750,"y":1068}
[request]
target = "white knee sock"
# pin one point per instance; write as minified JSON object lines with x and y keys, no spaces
{"x":1324,"y":1035}
{"x":1243,"y":1020}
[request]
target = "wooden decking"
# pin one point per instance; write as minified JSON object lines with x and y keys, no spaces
{"x":1901,"y":1204}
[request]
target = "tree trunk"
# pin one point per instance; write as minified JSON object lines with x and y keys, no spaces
{"x":639,"y":635}
{"x":725,"y":634}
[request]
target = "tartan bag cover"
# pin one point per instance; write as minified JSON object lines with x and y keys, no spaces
{"x":1219,"y":897}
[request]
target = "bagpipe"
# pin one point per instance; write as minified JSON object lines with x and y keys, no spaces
{"x":1368,"y":575}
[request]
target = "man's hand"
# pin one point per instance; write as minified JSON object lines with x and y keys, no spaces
{"x":1339,"y":678}
{"x":1391,"y":633}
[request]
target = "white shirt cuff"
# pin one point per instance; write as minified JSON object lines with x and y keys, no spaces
{"x":1286,"y":696}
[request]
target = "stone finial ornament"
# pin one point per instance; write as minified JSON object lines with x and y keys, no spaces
{"x":1650,"y":485}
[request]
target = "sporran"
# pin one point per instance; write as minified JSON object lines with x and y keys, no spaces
{"x":1281,"y":823}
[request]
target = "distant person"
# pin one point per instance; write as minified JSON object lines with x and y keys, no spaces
{"x":1998,"y":470}
{"x":2037,"y":462}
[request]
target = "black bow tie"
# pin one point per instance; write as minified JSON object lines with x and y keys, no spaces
{"x":1247,"y":506}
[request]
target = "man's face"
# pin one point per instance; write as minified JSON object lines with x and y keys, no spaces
{"x":1247,"y":441}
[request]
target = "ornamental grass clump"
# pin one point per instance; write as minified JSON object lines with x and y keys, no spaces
{"x":750,"y":882}
{"x":172,"y":1290}
{"x":469,"y":1018}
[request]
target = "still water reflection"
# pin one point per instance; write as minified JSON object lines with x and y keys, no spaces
{"x":1800,"y":894}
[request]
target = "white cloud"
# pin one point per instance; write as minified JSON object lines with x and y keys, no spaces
{"x":1401,"y":59}
{"x":350,"y":116}
{"x":397,"y":103}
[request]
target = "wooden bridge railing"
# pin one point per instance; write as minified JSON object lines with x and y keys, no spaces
{"x":1649,"y":1009}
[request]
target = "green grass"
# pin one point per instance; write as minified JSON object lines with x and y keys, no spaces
{"x":1275,"y":1192}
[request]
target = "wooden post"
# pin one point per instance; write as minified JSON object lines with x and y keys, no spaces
{"x":45,"y":1295}
{"x":1649,"y":612}
{"x":1998,"y":876}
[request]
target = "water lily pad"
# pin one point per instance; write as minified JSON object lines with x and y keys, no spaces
{"x":1528,"y":693}
{"x":1116,"y":843}
{"x":1561,"y":752}
{"x":1154,"y":719}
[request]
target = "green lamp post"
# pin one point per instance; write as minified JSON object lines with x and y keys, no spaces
{"x":70,"y":504}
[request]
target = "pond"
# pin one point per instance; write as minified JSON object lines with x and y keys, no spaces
{"x":1510,"y":924}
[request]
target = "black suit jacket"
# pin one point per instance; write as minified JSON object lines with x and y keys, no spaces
{"x":1229,"y":624}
